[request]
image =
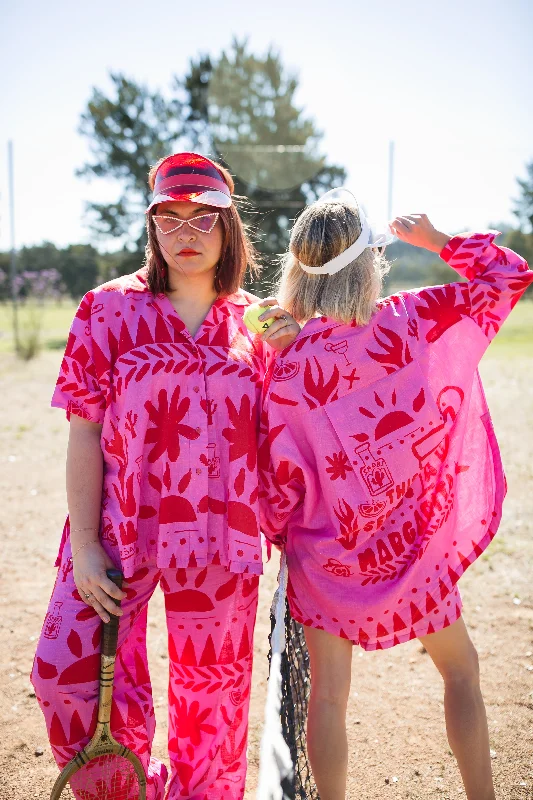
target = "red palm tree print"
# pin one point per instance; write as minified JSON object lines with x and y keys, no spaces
{"x":168,"y":426}
{"x":242,"y":436}
{"x":442,"y":309}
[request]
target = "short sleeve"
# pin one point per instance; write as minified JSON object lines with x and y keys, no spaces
{"x":83,"y":380}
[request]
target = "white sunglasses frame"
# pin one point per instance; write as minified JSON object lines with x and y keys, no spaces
{"x":182,"y":222}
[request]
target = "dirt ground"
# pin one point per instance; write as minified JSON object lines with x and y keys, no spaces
{"x":396,"y":725}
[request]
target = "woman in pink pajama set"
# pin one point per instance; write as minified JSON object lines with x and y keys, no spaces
{"x":161,"y":382}
{"x":380,"y":468}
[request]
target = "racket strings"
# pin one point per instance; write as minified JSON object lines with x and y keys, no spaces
{"x":107,"y":777}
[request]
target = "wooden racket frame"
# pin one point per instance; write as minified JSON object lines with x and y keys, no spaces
{"x":103,"y":742}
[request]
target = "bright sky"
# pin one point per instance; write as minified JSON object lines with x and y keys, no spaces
{"x":449,"y":82}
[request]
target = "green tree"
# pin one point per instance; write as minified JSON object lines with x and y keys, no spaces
{"x":523,"y":209}
{"x":78,"y":267}
{"x":5,"y":281}
{"x":128,"y":132}
{"x":413,"y":267}
{"x":119,"y":262}
{"x":522,"y":240}
{"x":38,"y":258}
{"x":242,"y":109}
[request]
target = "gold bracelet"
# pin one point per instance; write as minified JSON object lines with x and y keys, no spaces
{"x":74,"y":530}
{"x":92,"y":541}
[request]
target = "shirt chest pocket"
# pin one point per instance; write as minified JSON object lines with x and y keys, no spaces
{"x":388,"y":430}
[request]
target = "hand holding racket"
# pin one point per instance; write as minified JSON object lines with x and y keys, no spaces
{"x":104,"y":768}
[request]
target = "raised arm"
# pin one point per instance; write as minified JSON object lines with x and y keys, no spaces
{"x":497,"y":277}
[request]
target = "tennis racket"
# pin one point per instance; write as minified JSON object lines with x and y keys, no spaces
{"x":104,"y":769}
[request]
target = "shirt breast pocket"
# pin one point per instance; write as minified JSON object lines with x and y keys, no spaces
{"x":388,"y":430}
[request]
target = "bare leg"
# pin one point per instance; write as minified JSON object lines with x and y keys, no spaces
{"x":456,"y":658}
{"x":331,"y":659}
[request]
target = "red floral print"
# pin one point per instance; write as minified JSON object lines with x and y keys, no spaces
{"x":179,"y":423}
{"x":401,"y":485}
{"x":168,"y":425}
{"x":339,"y":465}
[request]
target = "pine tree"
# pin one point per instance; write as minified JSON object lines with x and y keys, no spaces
{"x":242,"y":111}
{"x":128,"y":132}
{"x":239,"y":109}
{"x":524,"y":205}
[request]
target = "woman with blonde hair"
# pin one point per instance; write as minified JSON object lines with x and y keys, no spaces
{"x":381,"y":475}
{"x":161,"y":383}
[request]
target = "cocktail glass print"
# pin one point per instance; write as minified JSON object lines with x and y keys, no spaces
{"x":340,"y":347}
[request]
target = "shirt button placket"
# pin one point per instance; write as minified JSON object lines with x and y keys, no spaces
{"x":199,"y":448}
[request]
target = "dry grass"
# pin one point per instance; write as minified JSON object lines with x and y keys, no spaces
{"x":396,"y":716}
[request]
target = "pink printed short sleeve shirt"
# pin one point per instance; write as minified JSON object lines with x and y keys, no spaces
{"x":180,"y":425}
{"x":378,"y":460}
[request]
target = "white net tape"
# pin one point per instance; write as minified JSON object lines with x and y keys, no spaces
{"x":276,"y":771}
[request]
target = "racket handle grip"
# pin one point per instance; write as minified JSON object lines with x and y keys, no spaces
{"x":110,"y":629}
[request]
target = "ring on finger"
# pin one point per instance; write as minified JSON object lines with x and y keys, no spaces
{"x":87,"y":596}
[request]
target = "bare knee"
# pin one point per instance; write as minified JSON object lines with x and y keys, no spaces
{"x":327,"y":694}
{"x":461,"y":672}
{"x":331,"y":659}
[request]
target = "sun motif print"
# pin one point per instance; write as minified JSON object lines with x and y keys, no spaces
{"x":379,"y":465}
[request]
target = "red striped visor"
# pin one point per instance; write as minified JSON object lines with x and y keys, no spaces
{"x":192,"y":177}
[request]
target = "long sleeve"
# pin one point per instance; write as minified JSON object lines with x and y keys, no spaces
{"x":496,"y":279}
{"x":281,"y":480}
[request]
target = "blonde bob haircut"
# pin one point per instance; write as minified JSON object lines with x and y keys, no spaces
{"x":321,"y":232}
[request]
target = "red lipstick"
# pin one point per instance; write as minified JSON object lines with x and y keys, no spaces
{"x":188,"y":251}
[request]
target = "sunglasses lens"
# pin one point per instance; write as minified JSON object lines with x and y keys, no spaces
{"x":205,"y":223}
{"x":167,"y":224}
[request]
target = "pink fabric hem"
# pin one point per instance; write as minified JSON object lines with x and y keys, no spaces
{"x":374,"y":642}
{"x":438,"y":619}
{"x":91,"y":413}
{"x":129,"y":569}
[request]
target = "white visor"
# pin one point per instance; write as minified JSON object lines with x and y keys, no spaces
{"x":208,"y":198}
{"x":371,"y":235}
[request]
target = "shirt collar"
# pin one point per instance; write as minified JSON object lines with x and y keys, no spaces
{"x":319,"y":324}
{"x":239,"y":298}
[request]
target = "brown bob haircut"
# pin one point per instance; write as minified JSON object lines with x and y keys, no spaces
{"x":237,"y":254}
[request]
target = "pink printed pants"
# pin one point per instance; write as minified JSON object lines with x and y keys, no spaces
{"x":210,"y":616}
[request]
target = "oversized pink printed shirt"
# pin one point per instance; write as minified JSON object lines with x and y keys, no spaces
{"x":180,"y":420}
{"x":379,"y":463}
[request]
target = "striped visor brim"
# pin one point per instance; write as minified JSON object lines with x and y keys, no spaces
{"x":190,"y":177}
